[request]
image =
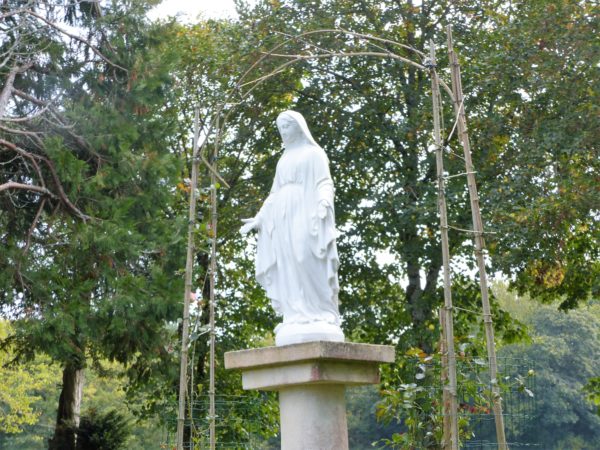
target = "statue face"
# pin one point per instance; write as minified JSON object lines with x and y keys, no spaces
{"x":288,"y":129}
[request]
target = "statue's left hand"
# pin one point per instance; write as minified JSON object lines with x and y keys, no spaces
{"x":249,"y":225}
{"x":322,"y":209}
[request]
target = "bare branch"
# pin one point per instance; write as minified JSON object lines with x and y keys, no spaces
{"x":213,"y":171}
{"x":77,"y":38}
{"x":25,"y":118}
{"x":359,"y":35}
{"x":62,"y":194}
{"x":12,"y":13}
{"x":56,"y":180}
{"x":28,"y":97}
{"x":32,"y":135}
{"x":58,"y":123}
{"x":33,"y":225}
{"x":45,"y":106}
{"x":271,"y":74}
{"x":9,"y":52}
{"x":17,"y":131}
{"x":296,"y":58}
{"x":8,"y":85}
{"x":30,"y":156}
{"x":27,"y":187}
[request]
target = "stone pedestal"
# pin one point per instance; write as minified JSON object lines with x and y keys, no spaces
{"x":311,"y":378}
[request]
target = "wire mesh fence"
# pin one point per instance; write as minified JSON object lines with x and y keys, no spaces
{"x":518,"y":386}
{"x":242,"y":422}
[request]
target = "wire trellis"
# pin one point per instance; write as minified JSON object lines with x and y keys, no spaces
{"x":518,"y":390}
{"x":238,"y":424}
{"x":517,"y":383}
{"x":240,"y":421}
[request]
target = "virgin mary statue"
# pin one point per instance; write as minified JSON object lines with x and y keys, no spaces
{"x":297,"y":259}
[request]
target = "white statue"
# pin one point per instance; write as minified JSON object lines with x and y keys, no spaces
{"x":297,"y":260}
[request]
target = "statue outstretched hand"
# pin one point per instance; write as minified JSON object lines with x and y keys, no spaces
{"x":249,"y":225}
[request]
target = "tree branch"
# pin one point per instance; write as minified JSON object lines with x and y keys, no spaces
{"x":30,"y":156}
{"x":29,"y":98}
{"x":8,"y":86}
{"x":61,"y":193}
{"x":26,"y":187}
{"x":32,"y":227}
{"x":77,"y":38}
{"x":12,"y":13}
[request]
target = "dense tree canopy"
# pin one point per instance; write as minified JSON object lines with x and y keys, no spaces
{"x":372,"y":116}
{"x":95,"y":153}
{"x":86,"y":225}
{"x":564,"y":353}
{"x":536,"y":91}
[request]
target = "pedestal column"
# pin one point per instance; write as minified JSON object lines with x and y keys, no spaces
{"x":311,"y":378}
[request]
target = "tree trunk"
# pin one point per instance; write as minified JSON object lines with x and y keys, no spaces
{"x":69,"y":407}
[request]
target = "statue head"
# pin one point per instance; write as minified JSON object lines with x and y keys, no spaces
{"x":293,"y":129}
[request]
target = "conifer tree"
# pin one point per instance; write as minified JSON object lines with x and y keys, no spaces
{"x":87,"y":229}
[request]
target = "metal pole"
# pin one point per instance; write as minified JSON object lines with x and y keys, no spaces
{"x":213,"y":267}
{"x":478,"y":240}
{"x":446,"y":425}
{"x":189,"y":266}
{"x":451,"y":405}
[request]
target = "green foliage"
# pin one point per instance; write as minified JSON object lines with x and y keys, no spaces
{"x":364,"y":430}
{"x":415,"y":402}
{"x":538,"y":124}
{"x":86,"y":279}
{"x":107,"y":287}
{"x":22,"y":388}
{"x":106,"y":390}
{"x":564,"y":351}
{"x":108,"y":430}
{"x":372,"y":117}
{"x":102,"y":393}
{"x":89,"y":275}
{"x":209,"y":64}
{"x":592,"y":388}
{"x":412,"y":388}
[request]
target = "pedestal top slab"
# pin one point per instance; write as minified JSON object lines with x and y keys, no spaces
{"x":310,"y":363}
{"x":309,"y":351}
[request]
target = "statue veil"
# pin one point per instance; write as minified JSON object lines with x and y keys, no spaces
{"x":301,"y":122}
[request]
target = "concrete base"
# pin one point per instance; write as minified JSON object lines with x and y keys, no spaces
{"x":311,"y":379}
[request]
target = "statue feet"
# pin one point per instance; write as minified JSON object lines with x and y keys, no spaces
{"x":296,"y":333}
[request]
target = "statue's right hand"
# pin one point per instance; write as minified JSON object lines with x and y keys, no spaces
{"x":249,"y":225}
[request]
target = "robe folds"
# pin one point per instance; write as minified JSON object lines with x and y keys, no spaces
{"x":297,"y":259}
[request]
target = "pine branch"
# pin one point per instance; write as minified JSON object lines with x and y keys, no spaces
{"x":50,"y":165}
{"x":27,"y":187}
{"x":77,"y":38}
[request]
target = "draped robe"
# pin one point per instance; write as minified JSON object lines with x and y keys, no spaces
{"x":297,"y":259}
